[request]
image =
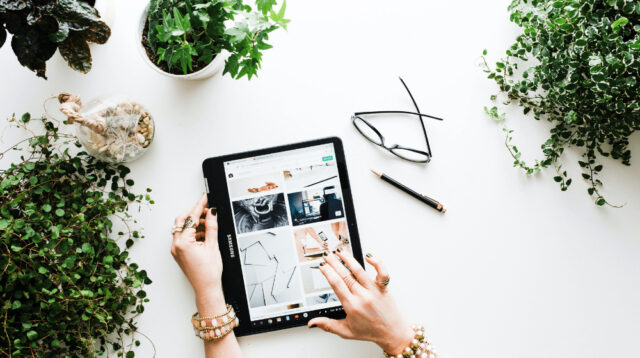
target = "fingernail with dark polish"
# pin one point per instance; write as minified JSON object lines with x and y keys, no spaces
{"x":326,"y":253}
{"x":369,"y":255}
{"x":340,"y":250}
{"x":322,"y":264}
{"x":214,"y":211}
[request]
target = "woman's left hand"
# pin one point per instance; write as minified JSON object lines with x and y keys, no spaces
{"x":197,"y":253}
{"x":372,"y":314}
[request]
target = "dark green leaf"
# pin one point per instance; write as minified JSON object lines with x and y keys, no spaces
{"x":75,"y":51}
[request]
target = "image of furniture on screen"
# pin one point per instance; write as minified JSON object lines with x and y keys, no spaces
{"x":312,"y":206}
{"x":313,"y":241}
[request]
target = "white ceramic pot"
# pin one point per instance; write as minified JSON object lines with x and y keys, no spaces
{"x":211,"y":69}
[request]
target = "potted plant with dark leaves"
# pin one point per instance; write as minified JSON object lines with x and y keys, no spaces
{"x":195,"y":39}
{"x":39,"y":28}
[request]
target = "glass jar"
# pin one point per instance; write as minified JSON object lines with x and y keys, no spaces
{"x":114,"y":129}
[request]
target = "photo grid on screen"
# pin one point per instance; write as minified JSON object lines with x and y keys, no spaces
{"x":287,"y":210}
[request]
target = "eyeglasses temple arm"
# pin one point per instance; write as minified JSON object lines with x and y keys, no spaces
{"x":424,"y":129}
{"x":400,"y":112}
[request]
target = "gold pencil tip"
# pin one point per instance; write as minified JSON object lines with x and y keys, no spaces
{"x":376,"y":173}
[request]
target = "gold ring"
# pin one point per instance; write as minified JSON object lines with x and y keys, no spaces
{"x":384,"y":282}
{"x":189,"y":224}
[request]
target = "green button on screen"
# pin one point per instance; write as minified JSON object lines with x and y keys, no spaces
{"x":327,"y":158}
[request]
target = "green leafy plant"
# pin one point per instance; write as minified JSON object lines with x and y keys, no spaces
{"x":186,"y":35}
{"x":67,"y":288}
{"x":576,"y":64}
{"x":41,"y":27}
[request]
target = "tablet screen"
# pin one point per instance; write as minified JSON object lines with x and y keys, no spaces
{"x":288,"y":210}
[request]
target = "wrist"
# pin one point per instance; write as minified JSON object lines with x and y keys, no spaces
{"x":210,"y":302}
{"x":397,"y":341}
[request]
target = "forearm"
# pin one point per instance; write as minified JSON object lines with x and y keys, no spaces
{"x":212,"y":304}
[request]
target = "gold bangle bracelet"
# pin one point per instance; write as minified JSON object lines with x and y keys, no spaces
{"x":213,"y":334}
{"x":420,"y":347}
{"x":218,"y":321}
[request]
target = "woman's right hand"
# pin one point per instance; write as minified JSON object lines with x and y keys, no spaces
{"x":372,"y":314}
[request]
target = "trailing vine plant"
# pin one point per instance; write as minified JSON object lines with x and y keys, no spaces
{"x":576,"y":64}
{"x":67,"y":287}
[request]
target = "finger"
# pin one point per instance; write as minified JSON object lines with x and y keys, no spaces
{"x":383,"y":274}
{"x":332,"y":326}
{"x":178,"y":222}
{"x":336,"y":282}
{"x":199,"y":208}
{"x":343,"y":272}
{"x":355,"y":267}
{"x":211,"y":227}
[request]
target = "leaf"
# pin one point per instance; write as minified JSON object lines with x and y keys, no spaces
{"x":61,"y":34}
{"x":13,"y":5}
{"x":237,"y":34}
{"x":279,"y":17}
{"x":4,"y":223}
{"x":60,"y":212}
{"x":98,"y":33}
{"x":265,"y":5}
{"x":75,"y":51}
{"x":32,"y":335}
{"x":78,"y":15}
{"x":33,"y":49}
{"x":620,"y":22}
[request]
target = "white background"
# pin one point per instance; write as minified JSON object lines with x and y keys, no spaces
{"x":515,"y":268}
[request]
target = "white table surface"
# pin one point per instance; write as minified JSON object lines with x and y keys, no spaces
{"x":515,"y":268}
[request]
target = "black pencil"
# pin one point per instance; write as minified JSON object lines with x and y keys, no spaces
{"x":423,"y":198}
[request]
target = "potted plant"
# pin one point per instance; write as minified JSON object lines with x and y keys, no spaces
{"x":575,"y":65}
{"x":194,"y":39}
{"x":39,"y":28}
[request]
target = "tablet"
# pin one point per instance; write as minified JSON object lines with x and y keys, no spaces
{"x":279,"y":209}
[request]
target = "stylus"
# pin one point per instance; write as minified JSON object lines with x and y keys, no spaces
{"x":423,"y":198}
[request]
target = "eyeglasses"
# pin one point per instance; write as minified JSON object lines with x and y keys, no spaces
{"x":373,"y":135}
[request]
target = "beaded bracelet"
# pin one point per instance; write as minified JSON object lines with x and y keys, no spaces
{"x":215,"y":327}
{"x":420,"y":347}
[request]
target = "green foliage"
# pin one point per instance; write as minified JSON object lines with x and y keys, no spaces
{"x":41,"y":27}
{"x":184,"y":32}
{"x":66,"y":287}
{"x":576,"y":64}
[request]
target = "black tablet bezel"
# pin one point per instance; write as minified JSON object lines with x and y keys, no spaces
{"x":218,"y":194}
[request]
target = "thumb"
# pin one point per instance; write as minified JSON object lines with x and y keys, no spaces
{"x":332,"y":326}
{"x":211,"y":226}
